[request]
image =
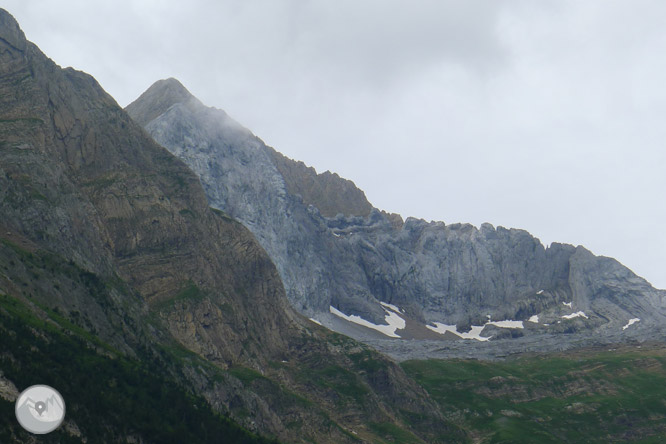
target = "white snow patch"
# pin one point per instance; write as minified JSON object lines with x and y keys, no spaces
{"x":540,"y":292}
{"x":568,"y":304}
{"x":394,"y":321}
{"x":392,"y":307}
{"x":534,"y":319}
{"x":506,"y":324}
{"x":631,"y":321}
{"x":578,"y":314}
{"x":474,"y":333}
{"x":315,"y":321}
{"x":443,"y":328}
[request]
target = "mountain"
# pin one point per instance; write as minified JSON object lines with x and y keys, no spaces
{"x":156,"y":317}
{"x":375,"y":277}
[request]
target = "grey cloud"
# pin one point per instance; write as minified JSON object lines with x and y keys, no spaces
{"x":542,"y":115}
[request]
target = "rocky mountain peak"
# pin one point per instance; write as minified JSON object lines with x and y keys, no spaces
{"x":157,"y":99}
{"x":10,"y":31}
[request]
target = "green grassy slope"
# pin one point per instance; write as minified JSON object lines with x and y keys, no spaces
{"x":614,"y":395}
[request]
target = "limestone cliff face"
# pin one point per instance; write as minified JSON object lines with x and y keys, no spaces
{"x":355,"y":258}
{"x":104,"y":229}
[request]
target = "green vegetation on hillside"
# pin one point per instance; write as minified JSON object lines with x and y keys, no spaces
{"x":592,"y":396}
{"x":109,"y":397}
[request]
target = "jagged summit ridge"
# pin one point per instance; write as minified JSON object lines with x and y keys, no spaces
{"x":330,"y":193}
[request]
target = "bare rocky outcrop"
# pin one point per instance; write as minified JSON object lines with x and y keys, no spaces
{"x":8,"y":390}
{"x":330,"y":193}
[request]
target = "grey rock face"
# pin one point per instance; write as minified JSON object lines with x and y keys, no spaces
{"x":451,"y":274}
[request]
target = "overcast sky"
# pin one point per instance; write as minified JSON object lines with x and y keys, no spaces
{"x":543,"y":115}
